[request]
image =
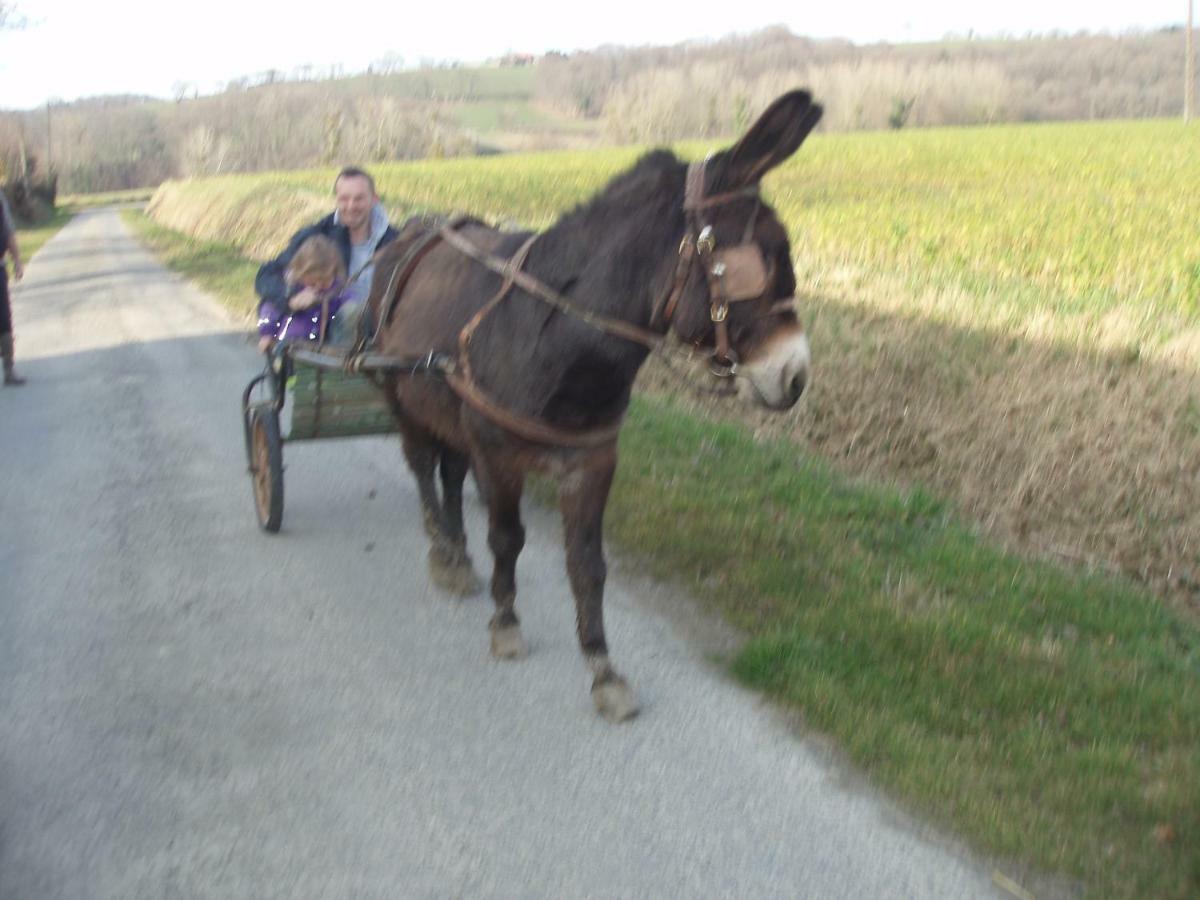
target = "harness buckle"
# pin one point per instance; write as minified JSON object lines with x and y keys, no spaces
{"x":723,"y":367}
{"x":706,"y":243}
{"x":720,"y":312}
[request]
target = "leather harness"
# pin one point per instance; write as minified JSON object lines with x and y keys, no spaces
{"x":737,"y":266}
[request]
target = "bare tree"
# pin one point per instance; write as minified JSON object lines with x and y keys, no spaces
{"x":203,"y":152}
{"x":645,"y":94}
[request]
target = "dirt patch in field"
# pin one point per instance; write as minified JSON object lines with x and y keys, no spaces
{"x":1091,"y":459}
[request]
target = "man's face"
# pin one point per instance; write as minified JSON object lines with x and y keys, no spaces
{"x":354,"y":200}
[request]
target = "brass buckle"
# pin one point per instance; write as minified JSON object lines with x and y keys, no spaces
{"x":723,"y":368}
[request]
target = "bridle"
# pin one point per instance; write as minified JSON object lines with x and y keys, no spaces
{"x":732,"y":274}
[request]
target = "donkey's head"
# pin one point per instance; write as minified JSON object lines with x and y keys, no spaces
{"x":734,"y":284}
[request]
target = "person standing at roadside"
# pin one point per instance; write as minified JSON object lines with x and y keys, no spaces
{"x":8,"y":247}
{"x":358,"y":226}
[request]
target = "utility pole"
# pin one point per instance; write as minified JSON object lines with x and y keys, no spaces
{"x":50,"y":141}
{"x":1189,"y":72}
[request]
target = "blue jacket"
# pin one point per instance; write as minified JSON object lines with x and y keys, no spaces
{"x":270,"y":284}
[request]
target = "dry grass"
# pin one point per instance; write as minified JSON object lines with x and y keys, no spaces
{"x":255,"y":214}
{"x":1084,"y":457}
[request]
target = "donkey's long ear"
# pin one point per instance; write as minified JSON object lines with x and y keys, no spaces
{"x":776,"y":135}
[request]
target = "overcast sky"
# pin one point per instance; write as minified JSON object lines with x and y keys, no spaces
{"x":77,"y":48}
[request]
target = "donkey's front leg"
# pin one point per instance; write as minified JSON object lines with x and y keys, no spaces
{"x":449,"y":565}
{"x":502,"y":487}
{"x":458,"y":573}
{"x":582,"y":498}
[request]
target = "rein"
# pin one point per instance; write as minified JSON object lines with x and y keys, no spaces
{"x":511,"y":271}
{"x":463,"y":382}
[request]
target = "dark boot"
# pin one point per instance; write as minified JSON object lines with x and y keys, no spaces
{"x":6,"y":352}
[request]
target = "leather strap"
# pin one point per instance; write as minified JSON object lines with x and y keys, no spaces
{"x":463,"y":383}
{"x":404,"y":268}
{"x":528,"y":283}
{"x":528,"y":428}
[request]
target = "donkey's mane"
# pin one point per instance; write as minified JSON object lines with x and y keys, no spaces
{"x":630,"y":209}
{"x":649,"y":179}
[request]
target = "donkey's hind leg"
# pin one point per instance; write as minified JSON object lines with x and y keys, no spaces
{"x":582,"y":498}
{"x":502,"y":489}
{"x":449,"y":566}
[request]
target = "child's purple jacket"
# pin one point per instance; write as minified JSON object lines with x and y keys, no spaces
{"x":299,"y":325}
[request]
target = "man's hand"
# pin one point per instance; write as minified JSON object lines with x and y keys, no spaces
{"x":18,"y":270}
{"x":303,"y":300}
{"x":265,"y":342}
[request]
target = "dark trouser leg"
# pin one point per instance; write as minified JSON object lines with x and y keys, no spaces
{"x":6,"y":337}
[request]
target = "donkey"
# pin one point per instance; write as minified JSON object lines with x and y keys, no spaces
{"x":548,"y":346}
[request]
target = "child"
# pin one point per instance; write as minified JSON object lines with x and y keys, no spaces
{"x":317,"y":267}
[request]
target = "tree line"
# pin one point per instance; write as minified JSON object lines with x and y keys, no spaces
{"x":612,"y":94}
{"x":709,"y":90}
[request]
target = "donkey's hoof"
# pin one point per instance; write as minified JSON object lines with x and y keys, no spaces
{"x":507,"y":643}
{"x":461,"y":581}
{"x":614,"y":700}
{"x":453,"y":573}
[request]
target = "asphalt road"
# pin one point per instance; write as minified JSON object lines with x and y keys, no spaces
{"x":192,"y":708}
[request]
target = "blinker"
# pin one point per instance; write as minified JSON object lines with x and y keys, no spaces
{"x":742,"y":271}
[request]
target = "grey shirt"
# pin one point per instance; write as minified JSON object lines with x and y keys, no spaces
{"x":360,"y":255}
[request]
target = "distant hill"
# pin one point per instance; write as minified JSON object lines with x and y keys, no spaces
{"x":608,"y":95}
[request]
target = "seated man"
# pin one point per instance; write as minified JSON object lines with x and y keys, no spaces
{"x":358,"y":227}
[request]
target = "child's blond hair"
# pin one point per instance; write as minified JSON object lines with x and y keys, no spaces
{"x":317,"y":258}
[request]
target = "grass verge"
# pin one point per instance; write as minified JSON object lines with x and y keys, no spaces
{"x":219,"y":268}
{"x":1050,"y":717}
{"x":108,"y":198}
{"x":1047,"y":716}
{"x":31,"y":239}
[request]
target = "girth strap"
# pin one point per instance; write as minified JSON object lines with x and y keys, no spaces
{"x":526,"y":427}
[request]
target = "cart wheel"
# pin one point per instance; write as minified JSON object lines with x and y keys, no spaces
{"x":266,"y":468}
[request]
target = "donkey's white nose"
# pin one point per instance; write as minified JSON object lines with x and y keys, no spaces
{"x":778,"y":377}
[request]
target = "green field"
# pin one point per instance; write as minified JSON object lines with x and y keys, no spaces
{"x":1003,"y":324}
{"x":1075,"y":221}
